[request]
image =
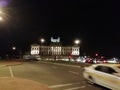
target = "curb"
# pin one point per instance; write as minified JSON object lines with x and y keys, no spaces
{"x":2,"y":65}
{"x":10,"y":64}
{"x":62,"y":64}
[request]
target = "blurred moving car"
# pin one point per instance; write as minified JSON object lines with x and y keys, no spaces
{"x":99,"y":60}
{"x":113,"y":60}
{"x":86,"y":60}
{"x":107,"y":75}
{"x":89,"y":60}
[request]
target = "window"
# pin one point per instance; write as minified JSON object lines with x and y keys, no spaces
{"x":98,"y":68}
{"x":105,"y":69}
{"x":111,"y":71}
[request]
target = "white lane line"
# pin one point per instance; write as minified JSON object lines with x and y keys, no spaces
{"x":76,"y":73}
{"x":11,"y":72}
{"x":75,"y":88}
{"x":62,"y":85}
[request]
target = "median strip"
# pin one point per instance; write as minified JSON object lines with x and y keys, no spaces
{"x":62,"y":64}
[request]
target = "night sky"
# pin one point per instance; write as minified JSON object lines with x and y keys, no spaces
{"x":95,"y":23}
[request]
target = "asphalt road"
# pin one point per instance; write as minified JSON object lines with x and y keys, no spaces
{"x":56,"y":76}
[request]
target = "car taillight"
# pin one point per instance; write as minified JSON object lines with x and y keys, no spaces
{"x":104,"y":61}
{"x":97,"y":61}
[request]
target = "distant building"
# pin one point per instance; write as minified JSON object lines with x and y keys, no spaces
{"x":55,"y":50}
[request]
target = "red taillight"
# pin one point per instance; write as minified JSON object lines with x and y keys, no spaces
{"x":97,"y":61}
{"x":104,"y":61}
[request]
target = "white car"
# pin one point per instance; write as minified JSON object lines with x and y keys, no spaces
{"x":107,"y":75}
{"x":113,"y":60}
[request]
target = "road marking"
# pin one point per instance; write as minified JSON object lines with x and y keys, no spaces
{"x":62,"y":85}
{"x":75,"y":88}
{"x":76,"y":73}
{"x":11,"y":72}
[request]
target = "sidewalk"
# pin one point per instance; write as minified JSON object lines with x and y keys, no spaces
{"x":10,"y":63}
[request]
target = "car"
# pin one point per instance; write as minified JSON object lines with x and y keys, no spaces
{"x":113,"y":60}
{"x":106,"y":75}
{"x":89,"y":60}
{"x":99,"y":61}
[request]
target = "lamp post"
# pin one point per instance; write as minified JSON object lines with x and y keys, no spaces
{"x":13,"y":54}
{"x":20,"y":53}
{"x":77,"y":42}
{"x":42,"y":40}
{"x":17,"y":52}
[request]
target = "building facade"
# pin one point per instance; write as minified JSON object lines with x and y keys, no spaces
{"x":55,"y":50}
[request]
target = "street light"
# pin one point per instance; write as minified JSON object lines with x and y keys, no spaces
{"x":42,"y":40}
{"x":1,"y":15}
{"x":77,"y":42}
{"x":4,"y":16}
{"x":1,"y":18}
{"x":15,"y":52}
{"x":14,"y":48}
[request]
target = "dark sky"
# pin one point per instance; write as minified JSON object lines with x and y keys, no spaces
{"x":95,"y":23}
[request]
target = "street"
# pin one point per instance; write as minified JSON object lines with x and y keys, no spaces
{"x":55,"y":76}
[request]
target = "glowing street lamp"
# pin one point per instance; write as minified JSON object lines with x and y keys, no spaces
{"x":77,"y":41}
{"x":3,"y":15}
{"x":42,"y":40}
{"x":14,"y":48}
{"x":1,"y":18}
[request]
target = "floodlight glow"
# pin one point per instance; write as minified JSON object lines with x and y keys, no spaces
{"x":0,"y":12}
{"x":1,"y":19}
{"x":77,"y":41}
{"x":14,"y":48}
{"x":42,"y":40}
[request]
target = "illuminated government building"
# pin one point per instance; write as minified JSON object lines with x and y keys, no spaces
{"x":55,"y":50}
